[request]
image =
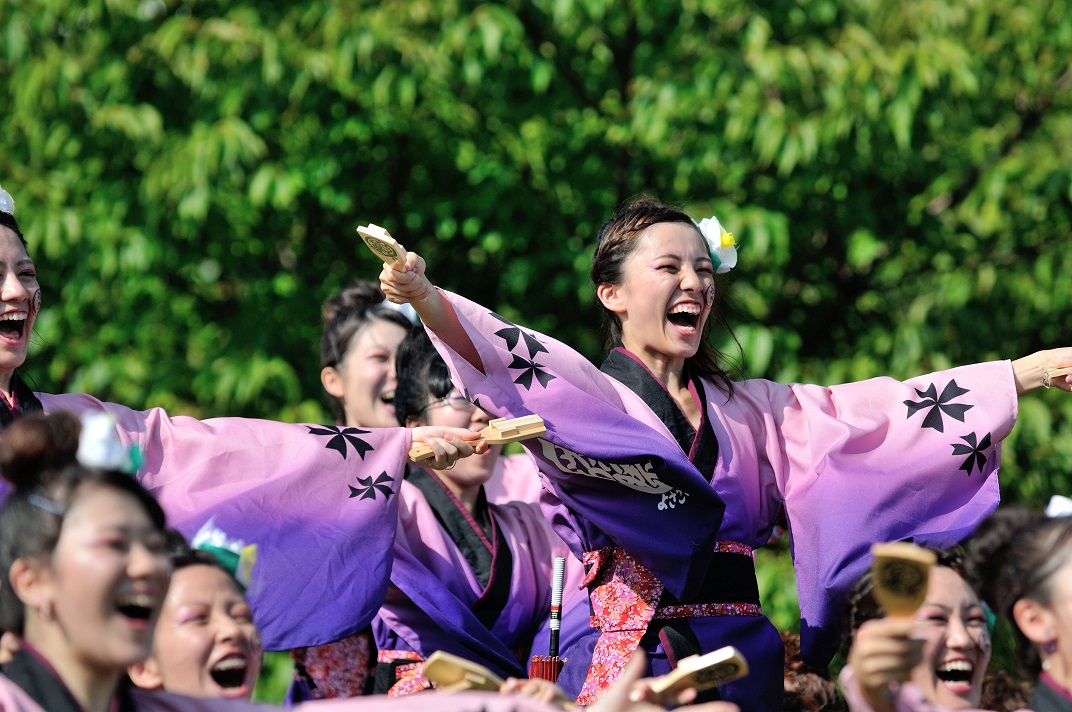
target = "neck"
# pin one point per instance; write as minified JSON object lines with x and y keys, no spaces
{"x":667,"y":370}
{"x":92,"y":687}
{"x":1059,"y":673}
{"x":7,"y":379}
{"x":466,"y":495}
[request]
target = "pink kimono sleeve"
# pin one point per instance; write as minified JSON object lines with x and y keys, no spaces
{"x":879,"y":460}
{"x":320,"y":502}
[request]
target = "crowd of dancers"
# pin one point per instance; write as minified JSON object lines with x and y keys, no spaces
{"x":128,"y":548}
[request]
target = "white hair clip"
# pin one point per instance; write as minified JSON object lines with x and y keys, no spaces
{"x":99,"y":445}
{"x":1059,"y":506}
{"x":405,"y":310}
{"x":7,"y":203}
{"x":720,"y":242}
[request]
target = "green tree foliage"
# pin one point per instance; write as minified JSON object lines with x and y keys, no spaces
{"x":190,"y":174}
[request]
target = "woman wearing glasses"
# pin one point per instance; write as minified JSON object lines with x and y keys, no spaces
{"x":469,"y":577}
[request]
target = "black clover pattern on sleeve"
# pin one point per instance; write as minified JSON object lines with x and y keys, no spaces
{"x":370,"y":486}
{"x":974,"y":450}
{"x":939,"y":405}
{"x":340,"y":437}
{"x":530,"y":369}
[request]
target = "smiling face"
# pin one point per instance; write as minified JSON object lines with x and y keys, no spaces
{"x":469,"y":472}
{"x":365,"y":380}
{"x":20,"y":300}
{"x":665,"y":295}
{"x":956,"y":646}
{"x":106,"y":582}
{"x":206,"y":644}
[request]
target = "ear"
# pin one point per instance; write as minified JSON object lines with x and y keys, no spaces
{"x":609,"y":296}
{"x":30,"y":583}
{"x":331,"y":379}
{"x":146,"y":675}
{"x":1035,"y":620}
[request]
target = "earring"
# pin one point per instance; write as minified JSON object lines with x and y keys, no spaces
{"x":45,"y":610}
{"x":1049,"y":648}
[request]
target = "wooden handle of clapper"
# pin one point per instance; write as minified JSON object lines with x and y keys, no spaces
{"x":498,"y":432}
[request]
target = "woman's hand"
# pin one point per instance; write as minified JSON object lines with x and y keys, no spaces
{"x":632,"y":694}
{"x":408,"y":285}
{"x":1030,"y":371}
{"x":882,"y":654}
{"x":540,"y":690}
{"x":448,"y":444}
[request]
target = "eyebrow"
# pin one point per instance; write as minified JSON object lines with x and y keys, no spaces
{"x":702,"y":258}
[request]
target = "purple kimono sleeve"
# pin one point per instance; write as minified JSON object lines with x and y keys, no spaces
{"x":879,"y":460}
{"x":617,"y":478}
{"x":320,"y":503}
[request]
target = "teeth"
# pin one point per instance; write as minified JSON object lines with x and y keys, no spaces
{"x":231,"y":664}
{"x":956,"y":666}
{"x":693,"y":309}
{"x":141,"y":600}
{"x":13,"y":317}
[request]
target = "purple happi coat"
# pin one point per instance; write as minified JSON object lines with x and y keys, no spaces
{"x":853,"y":464}
{"x":320,"y":502}
{"x":477,"y":586}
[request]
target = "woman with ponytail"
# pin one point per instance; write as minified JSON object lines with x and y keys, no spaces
{"x":1023,"y":562}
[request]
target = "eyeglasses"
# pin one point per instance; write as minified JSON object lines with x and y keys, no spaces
{"x":454,"y":402}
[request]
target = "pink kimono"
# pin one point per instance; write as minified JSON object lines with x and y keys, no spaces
{"x":320,"y":502}
{"x":628,"y":486}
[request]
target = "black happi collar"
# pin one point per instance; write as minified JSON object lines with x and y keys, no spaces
{"x":479,"y":538}
{"x":37,"y":680}
{"x":703,"y":450}
{"x":26,"y":402}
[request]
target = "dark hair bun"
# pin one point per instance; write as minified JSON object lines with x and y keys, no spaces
{"x":36,"y":444}
{"x":357,"y":297}
{"x":990,"y":546}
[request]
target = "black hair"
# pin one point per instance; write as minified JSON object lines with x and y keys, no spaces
{"x":8,"y":220}
{"x":1014,"y":555}
{"x":423,"y":376}
{"x":37,"y":456}
{"x":344,"y":315}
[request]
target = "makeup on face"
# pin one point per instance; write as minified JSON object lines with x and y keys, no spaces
{"x":107,"y":578}
{"x":206,"y":642}
{"x":956,"y":648}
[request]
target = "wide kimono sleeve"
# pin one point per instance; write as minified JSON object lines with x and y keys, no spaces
{"x":611,"y":478}
{"x":879,"y":460}
{"x":320,"y":503}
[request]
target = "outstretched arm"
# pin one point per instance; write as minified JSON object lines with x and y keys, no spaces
{"x":1031,"y":371}
{"x":410,"y":285}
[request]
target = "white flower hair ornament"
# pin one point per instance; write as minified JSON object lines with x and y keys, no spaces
{"x":99,"y":445}
{"x":721,"y":243}
{"x":7,"y":203}
{"x":234,"y":555}
{"x":1059,"y":506}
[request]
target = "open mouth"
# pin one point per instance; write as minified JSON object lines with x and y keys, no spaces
{"x":230,"y":673}
{"x":136,"y":606}
{"x":956,"y":674}
{"x":12,"y":325}
{"x":388,"y":398}
{"x":686,"y":316}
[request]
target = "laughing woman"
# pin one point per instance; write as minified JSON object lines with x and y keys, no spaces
{"x":237,"y":470}
{"x":660,"y":439}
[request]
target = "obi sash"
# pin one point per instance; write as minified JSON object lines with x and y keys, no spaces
{"x":628,"y":602}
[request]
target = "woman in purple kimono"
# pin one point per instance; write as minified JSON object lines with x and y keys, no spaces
{"x":84,"y":576}
{"x":469,"y":577}
{"x":300,"y":491}
{"x":664,"y":475}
